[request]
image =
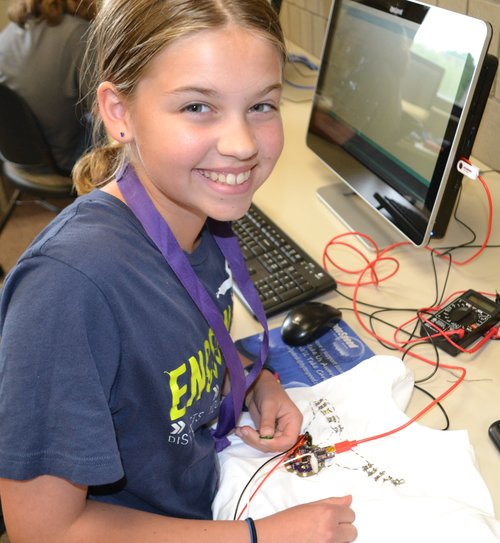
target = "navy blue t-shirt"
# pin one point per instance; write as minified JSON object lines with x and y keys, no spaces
{"x":109,"y":374}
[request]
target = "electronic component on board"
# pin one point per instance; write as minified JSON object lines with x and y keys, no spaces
{"x":309,"y":459}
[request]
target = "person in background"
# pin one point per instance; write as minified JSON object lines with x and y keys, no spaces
{"x":115,"y":356}
{"x":41,"y":58}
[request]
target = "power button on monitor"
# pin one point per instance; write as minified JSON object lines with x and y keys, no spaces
{"x":494,"y":432}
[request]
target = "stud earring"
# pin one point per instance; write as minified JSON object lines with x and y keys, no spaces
{"x":122,"y":134}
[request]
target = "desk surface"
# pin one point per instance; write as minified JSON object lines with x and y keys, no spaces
{"x":289,"y":197}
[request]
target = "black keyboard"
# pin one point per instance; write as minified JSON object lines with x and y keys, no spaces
{"x":282,"y":272}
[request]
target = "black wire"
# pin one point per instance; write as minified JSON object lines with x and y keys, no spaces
{"x":439,"y":295}
{"x":466,"y":244}
{"x":253,"y":477}
{"x":257,"y":471}
{"x":438,"y":298}
{"x":436,"y":352}
{"x":439,"y":292}
{"x":447,"y":425}
{"x":469,"y":244}
{"x":432,"y":373}
{"x":476,"y":246}
{"x":374,"y":317}
{"x":374,"y":306}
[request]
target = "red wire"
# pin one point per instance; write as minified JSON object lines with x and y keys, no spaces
{"x":380,"y":254}
{"x":345,"y":446}
{"x":488,"y":232}
{"x":414,"y":418}
{"x":348,"y":445}
{"x":370,"y":265}
{"x":375,"y":280}
{"x":299,"y":443}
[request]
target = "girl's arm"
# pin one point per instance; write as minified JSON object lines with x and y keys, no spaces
{"x":48,"y":509}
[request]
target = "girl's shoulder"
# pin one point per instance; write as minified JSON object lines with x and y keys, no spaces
{"x":93,"y":225}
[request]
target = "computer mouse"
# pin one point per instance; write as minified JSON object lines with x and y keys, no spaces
{"x":307,"y":322}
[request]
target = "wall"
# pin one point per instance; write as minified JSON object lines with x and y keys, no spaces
{"x":304,"y":22}
{"x":3,"y":12}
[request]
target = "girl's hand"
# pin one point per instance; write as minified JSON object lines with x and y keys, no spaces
{"x":276,"y":417}
{"x":326,"y":521}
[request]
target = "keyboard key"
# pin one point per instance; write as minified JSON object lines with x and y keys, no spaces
{"x":282,"y":272}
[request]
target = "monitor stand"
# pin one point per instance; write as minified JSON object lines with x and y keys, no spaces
{"x":357,"y":216}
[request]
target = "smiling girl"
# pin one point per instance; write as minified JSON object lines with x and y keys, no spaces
{"x":115,"y":356}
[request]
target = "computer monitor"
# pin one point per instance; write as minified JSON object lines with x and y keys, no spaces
{"x":401,"y":91}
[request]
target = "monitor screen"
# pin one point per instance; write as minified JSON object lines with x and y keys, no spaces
{"x":400,"y":93}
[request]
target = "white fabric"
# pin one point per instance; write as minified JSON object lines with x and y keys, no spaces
{"x":442,"y":496}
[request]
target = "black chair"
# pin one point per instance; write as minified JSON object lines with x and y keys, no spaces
{"x":26,"y":159}
{"x":27,"y":162}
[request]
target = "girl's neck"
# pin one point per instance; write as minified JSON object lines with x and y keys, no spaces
{"x":187,"y":230}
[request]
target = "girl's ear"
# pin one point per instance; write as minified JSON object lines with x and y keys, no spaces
{"x":114,"y":112}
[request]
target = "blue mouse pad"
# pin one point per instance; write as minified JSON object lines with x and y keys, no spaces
{"x":337,"y":351}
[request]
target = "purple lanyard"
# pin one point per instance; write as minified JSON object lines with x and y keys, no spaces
{"x":158,"y":230}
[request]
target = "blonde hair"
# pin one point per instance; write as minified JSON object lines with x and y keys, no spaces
{"x":128,"y":34}
{"x":51,"y":11}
